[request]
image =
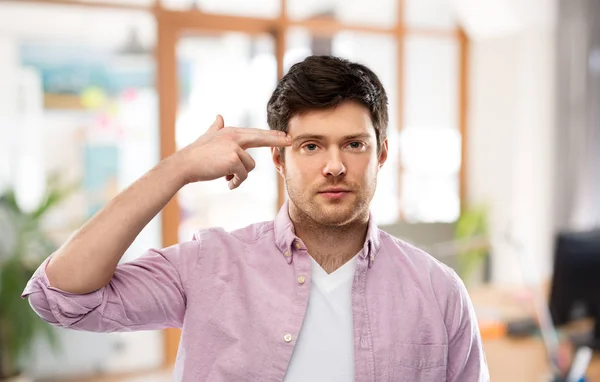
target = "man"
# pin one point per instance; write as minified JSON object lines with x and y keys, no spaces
{"x":318,"y":294}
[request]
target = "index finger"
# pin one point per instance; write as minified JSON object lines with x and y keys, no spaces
{"x":263,"y":140}
{"x":251,"y":130}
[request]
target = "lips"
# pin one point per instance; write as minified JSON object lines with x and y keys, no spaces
{"x":334,"y":193}
{"x":334,"y":190}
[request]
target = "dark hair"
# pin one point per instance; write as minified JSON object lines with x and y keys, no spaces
{"x":323,"y":82}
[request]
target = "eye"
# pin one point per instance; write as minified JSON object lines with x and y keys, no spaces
{"x":310,"y":147}
{"x":356,"y":145}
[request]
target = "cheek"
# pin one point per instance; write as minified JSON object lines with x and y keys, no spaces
{"x":365,"y":169}
{"x":301,"y":168}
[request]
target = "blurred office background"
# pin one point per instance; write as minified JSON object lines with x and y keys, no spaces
{"x":494,"y":137}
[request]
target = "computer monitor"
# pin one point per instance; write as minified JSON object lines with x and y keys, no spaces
{"x":575,"y":289}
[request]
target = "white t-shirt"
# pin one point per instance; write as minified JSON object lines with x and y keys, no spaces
{"x":324,"y":350}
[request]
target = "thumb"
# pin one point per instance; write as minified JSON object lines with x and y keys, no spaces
{"x":218,"y":124}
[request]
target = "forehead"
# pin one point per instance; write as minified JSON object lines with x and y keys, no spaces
{"x":348,"y":118}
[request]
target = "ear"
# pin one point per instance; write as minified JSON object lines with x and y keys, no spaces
{"x":278,"y":160}
{"x":384,"y":153}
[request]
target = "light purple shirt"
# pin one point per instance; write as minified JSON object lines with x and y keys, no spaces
{"x":237,"y":298}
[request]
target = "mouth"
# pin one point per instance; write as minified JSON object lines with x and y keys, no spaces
{"x":334,"y":193}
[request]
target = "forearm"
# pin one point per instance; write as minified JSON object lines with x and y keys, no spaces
{"x":87,"y":261}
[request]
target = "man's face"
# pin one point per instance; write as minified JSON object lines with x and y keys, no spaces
{"x":331,"y":168}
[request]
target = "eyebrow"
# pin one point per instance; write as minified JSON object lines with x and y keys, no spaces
{"x":319,"y":137}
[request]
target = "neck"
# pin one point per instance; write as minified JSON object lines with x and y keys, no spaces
{"x":330,"y":246}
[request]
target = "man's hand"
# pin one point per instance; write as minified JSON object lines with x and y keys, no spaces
{"x":220,"y":152}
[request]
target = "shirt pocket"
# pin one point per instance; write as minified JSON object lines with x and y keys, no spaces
{"x":419,"y":362}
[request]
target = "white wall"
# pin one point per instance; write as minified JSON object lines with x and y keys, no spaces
{"x":511,"y":139}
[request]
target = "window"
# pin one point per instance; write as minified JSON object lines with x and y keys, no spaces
{"x":233,"y":74}
{"x":430,"y":141}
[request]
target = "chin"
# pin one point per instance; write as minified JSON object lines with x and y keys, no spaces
{"x":332,"y":221}
{"x":335,"y":214}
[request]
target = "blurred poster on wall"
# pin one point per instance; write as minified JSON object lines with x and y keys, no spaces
{"x":68,"y":70}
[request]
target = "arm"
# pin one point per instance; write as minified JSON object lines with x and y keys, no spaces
{"x":87,"y":261}
{"x":144,"y":294}
{"x":80,"y":285}
{"x":466,"y":357}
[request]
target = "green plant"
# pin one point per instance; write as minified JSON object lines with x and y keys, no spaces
{"x":23,"y":247}
{"x":472,"y":230}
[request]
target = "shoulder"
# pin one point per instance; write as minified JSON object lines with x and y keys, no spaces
{"x":413,"y":259}
{"x":218,"y":243}
{"x":245,"y":235}
{"x":422,"y":269}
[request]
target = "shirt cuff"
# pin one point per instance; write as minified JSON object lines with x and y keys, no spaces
{"x":54,"y":305}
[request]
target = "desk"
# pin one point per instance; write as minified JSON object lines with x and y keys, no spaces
{"x":524,"y":360}
{"x":512,"y":359}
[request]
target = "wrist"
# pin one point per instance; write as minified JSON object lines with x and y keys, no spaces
{"x":175,"y":169}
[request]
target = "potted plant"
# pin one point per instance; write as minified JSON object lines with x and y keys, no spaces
{"x":472,"y":230}
{"x":23,"y":247}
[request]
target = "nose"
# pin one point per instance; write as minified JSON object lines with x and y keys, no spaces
{"x":334,"y":165}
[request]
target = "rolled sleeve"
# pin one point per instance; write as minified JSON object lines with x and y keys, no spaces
{"x":144,"y":294}
{"x":55,"y":306}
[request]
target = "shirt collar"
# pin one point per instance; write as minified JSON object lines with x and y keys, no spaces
{"x":286,"y":239}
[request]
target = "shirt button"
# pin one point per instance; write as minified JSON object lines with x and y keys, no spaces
{"x":287,"y":254}
{"x":301,"y":279}
{"x":298,"y":245}
{"x":287,"y":338}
